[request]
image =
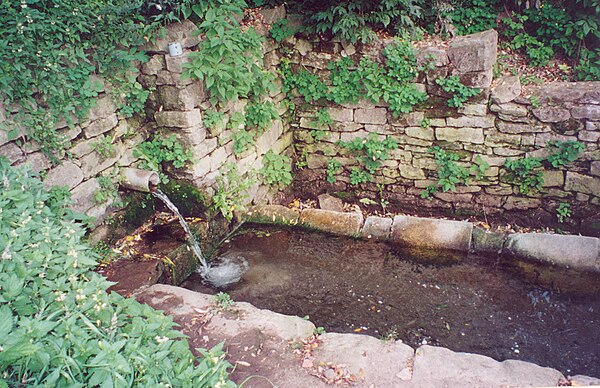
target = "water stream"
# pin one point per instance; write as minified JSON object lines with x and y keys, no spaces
{"x":223,"y":271}
{"x":190,"y":236}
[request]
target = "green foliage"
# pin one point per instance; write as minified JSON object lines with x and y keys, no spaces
{"x":425,"y":123}
{"x":231,"y":192}
{"x":479,"y":167}
{"x":242,"y":140}
{"x":129,"y":95}
{"x":223,"y":300}
{"x":276,"y":170}
{"x":371,"y":151}
{"x":460,"y":93}
{"x":324,"y":118}
{"x":155,"y":153}
{"x":104,"y":148}
{"x":449,"y":172}
{"x":355,"y":20}
{"x":535,"y":101}
{"x":525,"y":173}
{"x":359,"y":175}
{"x":280,"y":30}
{"x":259,"y":115}
{"x":320,"y":330}
{"x":471,"y":16}
{"x":51,"y":50}
{"x":317,"y":134}
{"x":344,"y":80}
{"x":392,"y":83}
{"x":213,"y":119}
{"x":588,"y":68}
{"x":227,"y":60}
{"x":308,"y":85}
{"x":333,"y":168}
{"x":563,"y":211}
{"x":58,"y":324}
{"x":564,"y":152}
{"x":109,"y":190}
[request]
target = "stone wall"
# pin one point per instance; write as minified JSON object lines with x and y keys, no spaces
{"x":504,"y":121}
{"x":175,"y":106}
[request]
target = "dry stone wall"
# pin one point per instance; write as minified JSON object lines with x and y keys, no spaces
{"x":505,"y":121}
{"x":175,"y":106}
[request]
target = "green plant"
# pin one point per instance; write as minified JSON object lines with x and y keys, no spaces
{"x":425,"y":123}
{"x":324,"y":118}
{"x":231,"y":191}
{"x":320,"y":330}
{"x":242,"y":140}
{"x":449,"y":172}
{"x":525,"y":173}
{"x":564,"y":152}
{"x":129,"y":95}
{"x":344,"y":80}
{"x":307,"y":84}
{"x":227,"y":60}
{"x":359,"y":175}
{"x":470,"y":16}
{"x":276,"y":170}
{"x":213,"y":119}
{"x":259,"y":115}
{"x":535,"y":101}
{"x":104,"y":147}
{"x":108,"y":191}
{"x":223,"y":300}
{"x":479,"y":167}
{"x":333,"y":168}
{"x":371,"y":151}
{"x":460,"y":93}
{"x":563,"y":211}
{"x":60,"y":326}
{"x":280,"y":30}
{"x":317,"y":134}
{"x":160,"y":150}
{"x":390,"y":335}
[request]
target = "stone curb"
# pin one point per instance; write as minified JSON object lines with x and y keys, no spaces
{"x":571,"y":251}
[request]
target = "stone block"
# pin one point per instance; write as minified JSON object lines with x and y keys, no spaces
{"x":103,"y":108}
{"x":66,"y":174}
{"x":517,"y":128}
{"x":275,"y":214}
{"x":509,"y":109}
{"x":595,"y":168}
{"x":192,"y":136}
{"x":84,"y":147}
{"x":176,"y":64}
{"x":100,"y":126}
{"x":412,"y":119}
{"x":589,"y":136}
{"x":570,"y":251}
{"x":184,"y":33}
{"x":83,"y":195}
{"x":441,"y":367}
{"x":154,"y":65}
{"x":582,"y":183}
{"x":329,"y":202}
{"x":590,"y":112}
{"x":486,"y":242}
{"x":551,"y":114}
{"x":12,"y":152}
{"x":506,"y":90}
{"x":477,"y":79}
{"x":475,"y":52}
{"x":345,"y":224}
{"x":266,"y":141}
{"x":411,"y":172}
{"x":37,"y":162}
{"x":178,"y":119}
{"x":378,"y":228}
{"x":432,"y":55}
{"x":553,"y":178}
{"x":469,"y":135}
{"x":92,"y":164}
{"x":521,"y":203}
{"x":341,"y":114}
{"x":502,"y":139}
{"x":471,"y":121}
{"x":420,"y":133}
{"x":473,"y":109}
{"x":184,"y":99}
{"x":431,"y":233}
{"x":371,"y":116}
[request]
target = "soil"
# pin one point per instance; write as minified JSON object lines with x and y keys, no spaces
{"x":469,"y":304}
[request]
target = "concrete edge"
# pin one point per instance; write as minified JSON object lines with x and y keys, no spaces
{"x":466,"y":236}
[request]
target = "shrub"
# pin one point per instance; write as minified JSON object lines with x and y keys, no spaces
{"x":58,"y":324}
{"x":460,"y":93}
{"x":277,"y":169}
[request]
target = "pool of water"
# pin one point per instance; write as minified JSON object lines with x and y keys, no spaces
{"x":479,"y":305}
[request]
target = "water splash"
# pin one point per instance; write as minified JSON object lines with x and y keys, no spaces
{"x":224,"y":271}
{"x":191,"y":239}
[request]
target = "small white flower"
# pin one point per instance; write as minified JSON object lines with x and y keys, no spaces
{"x":160,"y":340}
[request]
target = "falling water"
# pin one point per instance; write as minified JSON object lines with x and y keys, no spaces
{"x":191,"y":239}
{"x":225,"y":270}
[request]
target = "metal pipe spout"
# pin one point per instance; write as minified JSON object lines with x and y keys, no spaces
{"x":140,"y":180}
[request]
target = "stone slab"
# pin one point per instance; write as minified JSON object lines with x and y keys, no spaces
{"x":441,"y":367}
{"x":271,"y":214}
{"x":378,"y":228}
{"x":431,"y":233}
{"x":487,"y":242}
{"x":346,"y":224}
{"x":66,"y":174}
{"x":577,"y":252}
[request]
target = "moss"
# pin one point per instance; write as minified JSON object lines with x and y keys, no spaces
{"x":189,"y":200}
{"x":436,"y":107}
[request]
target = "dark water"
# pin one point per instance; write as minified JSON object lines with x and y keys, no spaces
{"x":478,"y":305}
